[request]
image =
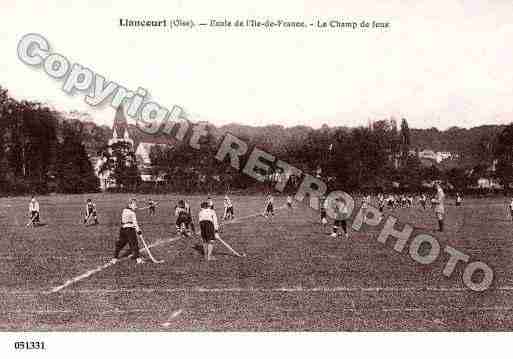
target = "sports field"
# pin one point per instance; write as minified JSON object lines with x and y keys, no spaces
{"x":295,"y":277}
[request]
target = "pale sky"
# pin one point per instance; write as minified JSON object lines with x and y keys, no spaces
{"x":441,"y":63}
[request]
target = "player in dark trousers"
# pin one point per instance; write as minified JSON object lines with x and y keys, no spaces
{"x":438,"y":204}
{"x":209,"y":228}
{"x":228,"y":209}
{"x":182,"y":217}
{"x":341,"y":216}
{"x":423,"y":201}
{"x":91,"y":212}
{"x":33,"y":212}
{"x":128,"y":233}
{"x":152,"y":205}
{"x":459,"y":200}
{"x":269,"y":206}
{"x":322,"y":207}
{"x":189,"y":223}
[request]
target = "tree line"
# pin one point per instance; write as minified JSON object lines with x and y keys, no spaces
{"x":40,"y":152}
{"x":43,"y":151}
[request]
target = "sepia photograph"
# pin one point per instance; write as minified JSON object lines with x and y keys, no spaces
{"x":254,"y":169}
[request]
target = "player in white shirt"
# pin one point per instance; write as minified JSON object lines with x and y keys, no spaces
{"x":91,"y":212}
{"x":209,"y":228}
{"x":324,"y":214}
{"x":423,"y":200}
{"x":341,"y":215}
{"x":459,"y":200}
{"x":289,"y":202}
{"x":128,"y":233}
{"x":228,"y":209}
{"x":366,"y":201}
{"x":381,"y":202}
{"x":438,"y":203}
{"x":34,"y":212}
{"x":269,"y":206}
{"x":182,"y":213}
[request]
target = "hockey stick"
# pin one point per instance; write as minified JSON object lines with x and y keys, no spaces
{"x":230,"y":248}
{"x":86,"y":222}
{"x":148,"y":250}
{"x":31,"y":221}
{"x":143,"y":208}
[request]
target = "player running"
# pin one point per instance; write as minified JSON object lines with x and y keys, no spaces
{"x":341,"y":214}
{"x":209,"y":228}
{"x":33,"y":212}
{"x":128,"y":233}
{"x":228,"y":209}
{"x":91,"y":212}
{"x":269,"y":206}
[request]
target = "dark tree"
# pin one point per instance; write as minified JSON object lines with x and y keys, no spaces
{"x":504,"y":154}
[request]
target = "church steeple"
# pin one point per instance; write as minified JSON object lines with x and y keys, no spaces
{"x":120,"y":127}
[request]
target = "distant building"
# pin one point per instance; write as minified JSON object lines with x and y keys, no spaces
{"x":435,"y":156}
{"x":427,"y":154}
{"x":488,"y":183}
{"x":122,"y":132}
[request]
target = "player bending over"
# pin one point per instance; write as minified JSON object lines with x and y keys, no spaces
{"x":209,"y":228}
{"x":33,"y":212}
{"x":341,"y":214}
{"x":269,"y":206}
{"x":228,"y":209}
{"x":128,"y":233}
{"x":91,"y":212}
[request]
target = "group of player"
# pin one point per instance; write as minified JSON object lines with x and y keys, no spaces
{"x":409,"y":201}
{"x":207,"y":218}
{"x":209,"y":226}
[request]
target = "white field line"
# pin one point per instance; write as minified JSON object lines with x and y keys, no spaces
{"x":294,"y":289}
{"x":175,"y":314}
{"x":108,"y":264}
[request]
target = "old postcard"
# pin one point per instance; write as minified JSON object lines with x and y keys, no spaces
{"x":267,"y":166}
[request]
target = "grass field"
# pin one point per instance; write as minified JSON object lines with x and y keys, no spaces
{"x":295,"y":277}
